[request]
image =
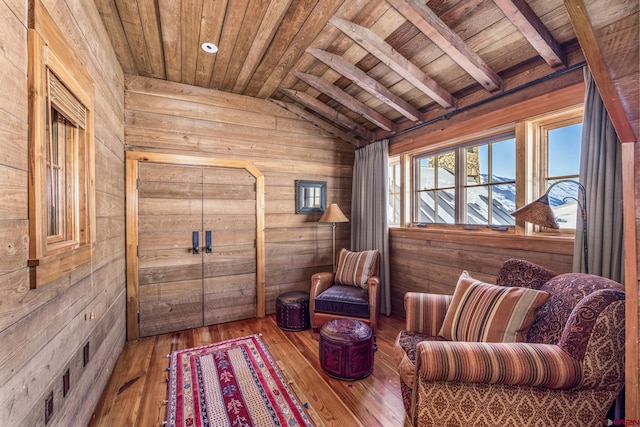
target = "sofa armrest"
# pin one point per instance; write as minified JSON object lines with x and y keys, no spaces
{"x":535,"y":365}
{"x":425,"y":312}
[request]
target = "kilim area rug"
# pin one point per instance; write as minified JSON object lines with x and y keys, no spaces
{"x":231,"y":383}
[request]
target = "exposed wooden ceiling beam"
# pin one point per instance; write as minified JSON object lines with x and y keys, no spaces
{"x":347,"y":100}
{"x":398,"y":63}
{"x":367,"y":83}
{"x":328,"y":112}
{"x":528,"y":23}
{"x":598,"y":66}
{"x":301,"y":112}
{"x":452,"y":44}
{"x":312,"y":26}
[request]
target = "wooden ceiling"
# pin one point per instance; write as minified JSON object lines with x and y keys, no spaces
{"x":360,"y":69}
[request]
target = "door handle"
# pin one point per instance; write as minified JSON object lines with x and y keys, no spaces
{"x":195,"y":239}
{"x":209,"y":247}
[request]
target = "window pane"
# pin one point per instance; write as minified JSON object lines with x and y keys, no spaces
{"x":436,"y":207}
{"x":564,"y":150}
{"x":477,"y":204}
{"x":426,"y":174}
{"x":477,"y":164}
{"x":562,"y":200}
{"x":425,"y":209}
{"x":503,"y":161}
{"x":446,"y":170}
{"x":446,"y":213}
{"x":503,"y":203}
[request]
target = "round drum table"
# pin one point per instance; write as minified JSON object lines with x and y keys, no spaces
{"x":346,"y":349}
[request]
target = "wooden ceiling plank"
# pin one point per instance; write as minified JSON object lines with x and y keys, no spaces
{"x":130,"y":17}
{"x":268,"y":27}
{"x":113,"y":23}
{"x":313,"y":25}
{"x":213,"y":13}
{"x":347,"y":100}
{"x":598,"y":66}
{"x":151,"y":31}
{"x":291,"y":23}
{"x":328,"y":112}
{"x":255,"y":14}
{"x":190,"y":19}
{"x":398,"y":63}
{"x":529,"y":24}
{"x":367,"y":83}
{"x":171,"y":39}
{"x":301,"y":112}
{"x":446,"y":39}
{"x":236,"y":11}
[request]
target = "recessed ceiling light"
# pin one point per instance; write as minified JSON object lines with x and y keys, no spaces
{"x":209,"y":47}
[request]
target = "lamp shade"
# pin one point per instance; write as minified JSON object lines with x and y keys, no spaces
{"x":538,"y":212}
{"x":333,"y":214}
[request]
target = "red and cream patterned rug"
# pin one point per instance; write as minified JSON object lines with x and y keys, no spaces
{"x":231,"y":383}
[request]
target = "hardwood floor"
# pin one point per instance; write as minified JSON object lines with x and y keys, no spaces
{"x":137,"y":389}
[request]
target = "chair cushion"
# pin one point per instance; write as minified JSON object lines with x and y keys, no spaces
{"x":355,"y":268}
{"x":346,"y":300}
{"x":488,"y":313}
{"x":404,"y":354}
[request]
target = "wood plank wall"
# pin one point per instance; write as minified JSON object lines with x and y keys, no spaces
{"x":43,"y":332}
{"x":175,"y":118}
{"x":431,"y":261}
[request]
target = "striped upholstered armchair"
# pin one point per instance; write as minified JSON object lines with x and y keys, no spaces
{"x":563,"y":365}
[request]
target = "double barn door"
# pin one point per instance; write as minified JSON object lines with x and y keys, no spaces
{"x":197,"y":245}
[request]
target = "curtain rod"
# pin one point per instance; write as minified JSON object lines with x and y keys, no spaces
{"x":452,"y":113}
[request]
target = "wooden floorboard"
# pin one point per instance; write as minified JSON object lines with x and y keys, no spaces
{"x":137,"y":389}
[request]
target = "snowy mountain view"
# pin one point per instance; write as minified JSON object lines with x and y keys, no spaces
{"x":440,"y":203}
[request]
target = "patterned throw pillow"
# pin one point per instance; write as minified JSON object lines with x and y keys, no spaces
{"x":355,"y":268}
{"x":482,"y":312}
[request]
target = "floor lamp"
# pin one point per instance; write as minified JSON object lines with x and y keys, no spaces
{"x":333,"y":214}
{"x":539,"y":212}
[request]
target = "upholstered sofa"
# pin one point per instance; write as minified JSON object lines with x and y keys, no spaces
{"x":567,"y":372}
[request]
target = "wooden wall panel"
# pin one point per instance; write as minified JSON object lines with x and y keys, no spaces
{"x":423,"y":261}
{"x":43,"y":331}
{"x":170,"y":117}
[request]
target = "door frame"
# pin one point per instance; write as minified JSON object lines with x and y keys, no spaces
{"x":133,"y":158}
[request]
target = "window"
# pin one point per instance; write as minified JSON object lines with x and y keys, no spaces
{"x":474,"y":182}
{"x":394,"y":210}
{"x":435,"y":185}
{"x":490,"y":183}
{"x":559,"y":141}
{"x":61,"y":150}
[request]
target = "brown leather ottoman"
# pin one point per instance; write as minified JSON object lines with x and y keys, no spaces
{"x":292,"y":311}
{"x":346,"y":349}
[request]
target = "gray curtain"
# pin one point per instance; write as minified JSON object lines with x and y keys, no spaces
{"x":601,"y":175}
{"x":369,"y":226}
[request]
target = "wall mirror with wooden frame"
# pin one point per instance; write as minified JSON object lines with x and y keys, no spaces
{"x":311,"y":197}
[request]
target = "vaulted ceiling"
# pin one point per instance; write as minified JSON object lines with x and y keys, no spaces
{"x":360,"y":69}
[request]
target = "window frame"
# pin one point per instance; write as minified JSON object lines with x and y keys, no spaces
{"x":537,"y":176}
{"x":529,"y":181}
{"x":51,"y":258}
{"x":459,"y":149}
